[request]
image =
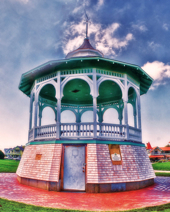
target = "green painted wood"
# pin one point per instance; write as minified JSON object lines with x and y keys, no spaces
{"x":28,"y":78}
{"x":85,"y":142}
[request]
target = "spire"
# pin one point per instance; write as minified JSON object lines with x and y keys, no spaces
{"x":86,"y":49}
{"x":87,"y":21}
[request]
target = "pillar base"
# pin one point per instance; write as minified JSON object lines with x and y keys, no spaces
{"x":115,"y":187}
{"x":46,"y":185}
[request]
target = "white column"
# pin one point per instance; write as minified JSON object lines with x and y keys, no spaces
{"x":100,"y":118}
{"x":134,"y":115}
{"x":35,"y":115}
{"x":30,"y":118}
{"x":125,"y":100}
{"x":40,"y":115}
{"x":78,"y":120}
{"x":139,"y":111}
{"x":94,"y":102}
{"x":58,"y":105}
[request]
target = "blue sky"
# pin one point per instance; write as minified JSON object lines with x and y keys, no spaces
{"x":34,"y":32}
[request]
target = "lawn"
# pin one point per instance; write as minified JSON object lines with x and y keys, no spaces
{"x":10,"y":206}
{"x":163,"y":174}
{"x":8,"y":165}
{"x":165,"y":166}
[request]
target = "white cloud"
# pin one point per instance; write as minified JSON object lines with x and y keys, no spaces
{"x":77,"y":9}
{"x":165,"y":27}
{"x":23,"y":1}
{"x":140,"y":27}
{"x":106,"y":42}
{"x":153,"y":45}
{"x":73,"y":44}
{"x":99,"y":4}
{"x":103,"y":38}
{"x":158,"y":71}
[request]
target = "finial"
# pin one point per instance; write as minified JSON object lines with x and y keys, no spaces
{"x":87,"y":21}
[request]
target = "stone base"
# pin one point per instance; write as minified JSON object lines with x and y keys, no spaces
{"x":46,"y":185}
{"x":42,"y":166}
{"x":90,"y":188}
{"x":115,"y":187}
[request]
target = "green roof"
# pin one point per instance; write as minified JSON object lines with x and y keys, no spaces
{"x":28,"y":78}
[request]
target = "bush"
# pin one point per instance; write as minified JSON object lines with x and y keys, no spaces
{"x":1,"y":155}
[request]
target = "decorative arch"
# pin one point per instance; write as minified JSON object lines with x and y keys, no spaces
{"x":86,"y":110}
{"x":52,"y":107}
{"x":51,"y":82}
{"x":134,"y":87}
{"x":41,"y":109}
{"x":112,"y":107}
{"x":133,"y":102}
{"x":102,"y":79}
{"x":85,"y":78}
{"x":74,"y":112}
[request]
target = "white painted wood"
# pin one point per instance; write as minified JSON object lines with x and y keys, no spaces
{"x":95,"y":94}
{"x":58,"y":95}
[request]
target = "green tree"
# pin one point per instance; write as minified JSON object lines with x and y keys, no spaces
{"x":1,"y":155}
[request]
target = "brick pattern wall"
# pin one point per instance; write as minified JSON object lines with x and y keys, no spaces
{"x":135,"y":166}
{"x":47,"y":168}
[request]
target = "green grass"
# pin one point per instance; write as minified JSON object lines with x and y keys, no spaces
{"x":11,"y":206}
{"x":8,"y":165}
{"x":165,"y":166}
{"x":164,"y":174}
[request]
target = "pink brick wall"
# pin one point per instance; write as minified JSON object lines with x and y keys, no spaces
{"x":135,"y":166}
{"x":47,"y":169}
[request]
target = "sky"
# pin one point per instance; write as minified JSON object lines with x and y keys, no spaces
{"x":33,"y":32}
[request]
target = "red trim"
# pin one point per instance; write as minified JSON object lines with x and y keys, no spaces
{"x":156,"y":156}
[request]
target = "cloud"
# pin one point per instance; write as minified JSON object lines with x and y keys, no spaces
{"x":103,"y":38}
{"x":99,"y":4}
{"x":77,"y":9}
{"x":165,"y":27}
{"x":73,"y":44}
{"x":153,"y":45}
{"x":158,"y":71}
{"x":140,"y":27}
{"x":23,"y":1}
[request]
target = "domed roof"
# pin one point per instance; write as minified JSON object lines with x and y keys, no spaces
{"x":85,"y":50}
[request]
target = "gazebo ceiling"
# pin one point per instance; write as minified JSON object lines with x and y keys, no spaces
{"x":77,"y":91}
{"x":28,"y":78}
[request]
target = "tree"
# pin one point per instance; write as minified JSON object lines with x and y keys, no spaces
{"x":1,"y":155}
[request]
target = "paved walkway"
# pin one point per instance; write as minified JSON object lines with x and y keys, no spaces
{"x":161,"y":171}
{"x":157,"y":194}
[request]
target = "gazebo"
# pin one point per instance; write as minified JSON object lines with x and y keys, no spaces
{"x":85,"y":156}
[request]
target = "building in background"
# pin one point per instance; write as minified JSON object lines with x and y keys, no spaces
{"x":14,"y":153}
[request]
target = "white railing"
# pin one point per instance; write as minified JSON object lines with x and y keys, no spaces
{"x":135,"y":134}
{"x":77,"y":130}
{"x":47,"y":131}
{"x":111,"y":130}
{"x":86,"y":130}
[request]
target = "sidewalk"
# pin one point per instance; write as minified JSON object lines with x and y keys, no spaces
{"x":157,"y":194}
{"x":161,"y":171}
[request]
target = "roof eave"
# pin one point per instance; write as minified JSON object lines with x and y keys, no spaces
{"x":36,"y":72}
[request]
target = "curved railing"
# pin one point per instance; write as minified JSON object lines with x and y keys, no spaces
{"x":86,"y":131}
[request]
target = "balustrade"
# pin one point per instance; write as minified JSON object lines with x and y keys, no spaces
{"x":134,"y":134}
{"x":111,"y":130}
{"x":47,"y":131}
{"x":85,"y":130}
